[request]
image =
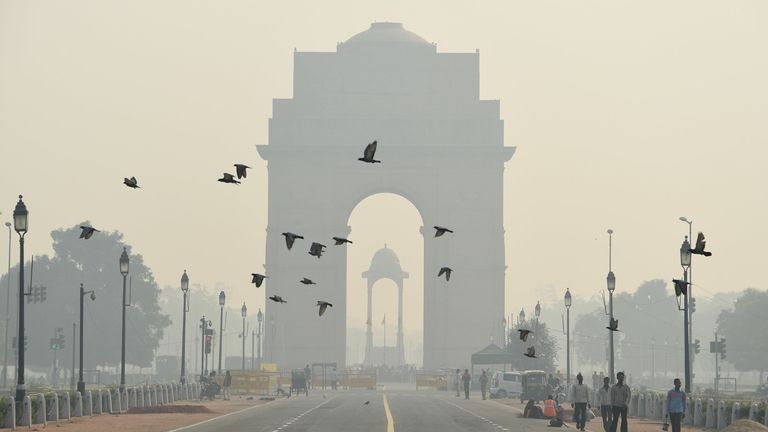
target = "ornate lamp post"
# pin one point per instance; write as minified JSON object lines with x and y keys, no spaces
{"x":124,"y":265}
{"x":611,"y":282}
{"x":568,"y":301}
{"x":80,"y":381}
{"x":222,"y":300}
{"x":185,"y":290}
{"x":685,"y":262}
{"x":20,"y":224}
{"x":244,"y":313}
{"x":521,"y":316}
{"x":260,"y":319}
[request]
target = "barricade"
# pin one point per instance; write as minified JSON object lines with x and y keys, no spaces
{"x":698,"y":414}
{"x":429,"y":381}
{"x":97,"y":402}
{"x":153,"y":393}
{"x":721,"y":423}
{"x":48,"y":410}
{"x":88,"y":408}
{"x":26,"y":412}
{"x":735,"y":414}
{"x":106,"y":404}
{"x":10,"y":413}
{"x":649,"y":406}
{"x":124,"y":400}
{"x":164,"y":394}
{"x":78,"y":405}
{"x":642,"y":412}
{"x":254,"y":382}
{"x":632,"y":405}
{"x":710,"y":421}
{"x":65,"y":409}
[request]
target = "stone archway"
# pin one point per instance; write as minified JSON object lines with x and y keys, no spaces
{"x":441,"y":148}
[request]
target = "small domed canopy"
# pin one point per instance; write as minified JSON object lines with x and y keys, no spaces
{"x":385,"y":264}
{"x":385,"y":34}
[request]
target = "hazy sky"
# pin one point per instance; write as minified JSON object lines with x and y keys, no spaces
{"x":625,"y":114}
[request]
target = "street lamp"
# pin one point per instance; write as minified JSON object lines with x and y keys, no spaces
{"x":7,"y":310}
{"x":685,"y":263}
{"x":20,"y":224}
{"x":568,"y":301}
{"x":244,"y":313}
{"x":259,"y":318}
{"x":184,"y":289}
{"x":521,"y":316}
{"x":204,"y":324}
{"x":125,"y":263}
{"x":222,"y":300}
{"x":80,"y":381}
{"x":690,"y":291}
{"x":611,"y":282}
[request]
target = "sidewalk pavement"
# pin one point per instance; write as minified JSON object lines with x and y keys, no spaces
{"x":154,"y":422}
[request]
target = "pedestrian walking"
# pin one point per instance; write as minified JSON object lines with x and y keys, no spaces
{"x":227,"y":386}
{"x":457,"y":381}
{"x":606,"y":408}
{"x":676,"y":406}
{"x":334,"y":378}
{"x":308,"y":376}
{"x":620,"y":397}
{"x":580,"y":401}
{"x":483,"y":384}
{"x":466,"y":378}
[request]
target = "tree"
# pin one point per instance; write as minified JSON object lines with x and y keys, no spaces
{"x":545,"y":344}
{"x":743,"y":327}
{"x":93,"y":262}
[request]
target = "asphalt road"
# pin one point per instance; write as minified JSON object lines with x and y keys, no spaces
{"x":388,"y":411}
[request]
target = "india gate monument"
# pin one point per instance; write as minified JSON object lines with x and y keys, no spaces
{"x":441,"y":148}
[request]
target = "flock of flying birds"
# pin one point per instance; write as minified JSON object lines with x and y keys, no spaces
{"x":316,"y":249}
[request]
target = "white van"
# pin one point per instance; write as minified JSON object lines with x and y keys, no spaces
{"x":506,"y":384}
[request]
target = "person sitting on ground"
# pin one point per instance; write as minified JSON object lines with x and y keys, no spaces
{"x":532,"y":410}
{"x":550,"y":410}
{"x":558,"y":420}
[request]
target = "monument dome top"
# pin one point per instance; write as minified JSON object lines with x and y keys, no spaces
{"x":385,"y":33}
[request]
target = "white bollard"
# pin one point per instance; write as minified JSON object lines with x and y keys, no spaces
{"x":688,"y":420}
{"x":124,"y":400}
{"x":107,"y":405}
{"x":97,"y":402}
{"x":172,"y":393}
{"x":78,"y":405}
{"x":155,"y":401}
{"x":164,"y":391}
{"x":140,"y":401}
{"x":50,"y":411}
{"x":698,"y":414}
{"x":648,"y":406}
{"x":735,"y":412}
{"x":710,"y":420}
{"x":663,"y":409}
{"x":88,"y":408}
{"x":65,"y":411}
{"x":26,"y":412}
{"x":10,"y":413}
{"x":721,"y":423}
{"x":632,"y":406}
{"x":641,"y":405}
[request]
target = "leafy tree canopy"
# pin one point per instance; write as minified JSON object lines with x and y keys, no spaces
{"x":744,"y":328}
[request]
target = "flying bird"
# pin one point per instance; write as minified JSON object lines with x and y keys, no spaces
{"x":87,"y":232}
{"x":228,"y":178}
{"x":277,"y":299}
{"x":439,"y":231}
{"x":614,"y":325}
{"x":340,"y":241}
{"x":131,"y":182}
{"x":316,"y":249}
{"x":531,"y":352}
{"x":681,"y":287}
{"x":306,"y":281}
{"x":258,"y":279}
{"x":241,"y":173}
{"x":323,"y":306}
{"x":290,"y":238}
{"x":524,"y":334}
{"x":701,"y":243}
{"x":368,"y":154}
{"x":445,"y":271}
{"x":367,"y":402}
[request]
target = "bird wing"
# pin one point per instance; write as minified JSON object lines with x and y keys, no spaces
{"x":448,"y":275}
{"x":700,"y":242}
{"x":133,"y":180}
{"x":289,"y":239}
{"x":89,"y":233}
{"x":442,"y":270}
{"x":370,"y":150}
{"x":323,"y":307}
{"x":241,"y":173}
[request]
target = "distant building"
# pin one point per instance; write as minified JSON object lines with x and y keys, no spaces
{"x":441,"y":148}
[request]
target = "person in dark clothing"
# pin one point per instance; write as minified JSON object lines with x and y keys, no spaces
{"x":620,"y":397}
{"x":466,"y":378}
{"x":308,"y":376}
{"x":227,"y":385}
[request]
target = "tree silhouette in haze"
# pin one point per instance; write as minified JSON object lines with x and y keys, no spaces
{"x":546,"y":347}
{"x":744,"y":328}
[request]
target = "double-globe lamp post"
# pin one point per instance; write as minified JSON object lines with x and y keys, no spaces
{"x":20,"y":224}
{"x":222,"y":301}
{"x":185,"y":290}
{"x":124,"y":266}
{"x":611,"y":282}
{"x":568,"y":300}
{"x":80,"y":381}
{"x":244,"y":313}
{"x":685,"y":262}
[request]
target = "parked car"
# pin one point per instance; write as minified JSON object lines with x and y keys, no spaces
{"x":506,"y":384}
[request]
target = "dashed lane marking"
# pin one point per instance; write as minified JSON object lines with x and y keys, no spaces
{"x":490,"y":422}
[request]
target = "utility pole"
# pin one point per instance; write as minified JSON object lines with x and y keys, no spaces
{"x":74,"y":342}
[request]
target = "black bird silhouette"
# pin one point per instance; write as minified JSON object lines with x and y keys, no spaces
{"x":87,"y":232}
{"x":439,"y":231}
{"x":241,"y":170}
{"x":277,"y":299}
{"x":524,"y":334}
{"x":681,"y":287}
{"x":323,"y":306}
{"x":306,"y":281}
{"x":445,"y":271}
{"x":316,"y":249}
{"x":367,"y":402}
{"x":368,"y":154}
{"x":531,"y":352}
{"x":258,"y":279}
{"x":290,"y":238}
{"x":131,"y":182}
{"x":228,"y":178}
{"x":614,"y":325}
{"x":340,"y":241}
{"x":701,"y":243}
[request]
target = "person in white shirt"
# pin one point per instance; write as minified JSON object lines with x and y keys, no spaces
{"x":580,"y":402}
{"x":606,"y":408}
